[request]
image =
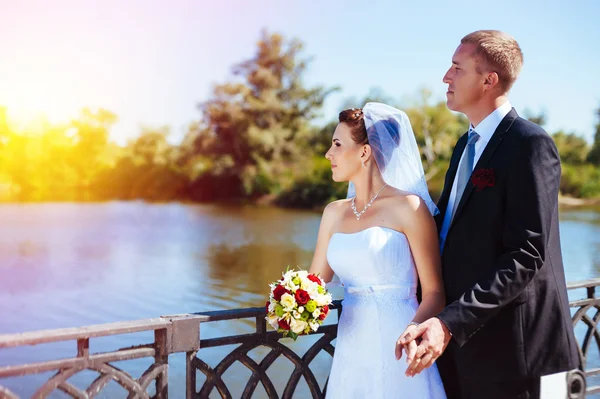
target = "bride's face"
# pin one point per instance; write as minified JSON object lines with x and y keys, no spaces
{"x":344,"y":154}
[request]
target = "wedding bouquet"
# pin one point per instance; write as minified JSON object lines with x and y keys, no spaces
{"x":298,"y":303}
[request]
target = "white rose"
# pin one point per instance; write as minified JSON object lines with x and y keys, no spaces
{"x":296,"y":314}
{"x":304,"y":283}
{"x":312,"y":289}
{"x":301,"y":309}
{"x":316,"y":313}
{"x":313,"y":325}
{"x":298,"y":326}
{"x":273,"y":321}
{"x":302,"y":274}
{"x":272,"y":307}
{"x":309,"y":286}
{"x":323,"y":299}
{"x":288,"y":302}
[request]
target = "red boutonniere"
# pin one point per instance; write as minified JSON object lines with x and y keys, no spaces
{"x":482,"y":178}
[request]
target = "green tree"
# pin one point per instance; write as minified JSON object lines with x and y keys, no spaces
{"x":436,"y":128}
{"x":572,"y":148}
{"x":251,"y":127}
{"x":90,"y":133}
{"x":594,"y":155}
{"x":151,"y":147}
{"x":539,"y":119}
{"x":375,"y":94}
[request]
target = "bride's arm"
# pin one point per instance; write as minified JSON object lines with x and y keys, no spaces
{"x":419,"y":226}
{"x":319,"y":263}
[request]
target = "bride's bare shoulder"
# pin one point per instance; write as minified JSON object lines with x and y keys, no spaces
{"x":332,"y":213}
{"x":404,"y":201}
{"x":405,"y":198}
{"x":335,"y":207}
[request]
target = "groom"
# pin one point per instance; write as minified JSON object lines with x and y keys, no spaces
{"x":507,"y":322}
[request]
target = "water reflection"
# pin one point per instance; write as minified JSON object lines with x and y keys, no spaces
{"x":580,"y":243}
{"x":251,"y":267}
{"x":67,"y":265}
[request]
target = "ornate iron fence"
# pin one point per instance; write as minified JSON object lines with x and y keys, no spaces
{"x":183,"y":334}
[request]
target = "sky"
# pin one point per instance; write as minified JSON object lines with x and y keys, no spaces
{"x":152,"y":61}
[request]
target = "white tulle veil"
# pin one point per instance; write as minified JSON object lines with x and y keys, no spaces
{"x":395,"y":151}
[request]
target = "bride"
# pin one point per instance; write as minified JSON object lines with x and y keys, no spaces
{"x":381,"y":242}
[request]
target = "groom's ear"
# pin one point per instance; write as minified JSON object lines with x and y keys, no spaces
{"x":491,"y":80}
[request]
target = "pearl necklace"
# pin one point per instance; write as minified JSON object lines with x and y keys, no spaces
{"x":359,"y":214}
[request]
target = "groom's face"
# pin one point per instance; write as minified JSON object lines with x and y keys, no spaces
{"x":465,"y":83}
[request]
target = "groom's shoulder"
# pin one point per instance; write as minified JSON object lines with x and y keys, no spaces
{"x":525,"y":128}
{"x":531,"y":137}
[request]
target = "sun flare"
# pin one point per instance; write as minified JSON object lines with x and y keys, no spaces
{"x":28,"y":107}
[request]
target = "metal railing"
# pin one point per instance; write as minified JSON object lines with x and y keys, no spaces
{"x":182,"y":334}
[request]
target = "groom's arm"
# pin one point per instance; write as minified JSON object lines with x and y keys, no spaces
{"x":532,"y":195}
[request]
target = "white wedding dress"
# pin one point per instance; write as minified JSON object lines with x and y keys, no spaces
{"x":380,"y":279}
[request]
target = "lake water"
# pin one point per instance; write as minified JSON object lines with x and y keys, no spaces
{"x":67,"y":265}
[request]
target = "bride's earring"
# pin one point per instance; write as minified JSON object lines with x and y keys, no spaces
{"x":363,"y":164}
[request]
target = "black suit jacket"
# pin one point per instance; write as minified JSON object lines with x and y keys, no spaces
{"x":507,"y":304}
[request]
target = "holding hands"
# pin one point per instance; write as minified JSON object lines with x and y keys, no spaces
{"x":423,"y":344}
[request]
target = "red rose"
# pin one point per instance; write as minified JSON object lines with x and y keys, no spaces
{"x":314,"y":278}
{"x":482,"y":178}
{"x":284,"y":324}
{"x":302,"y":297}
{"x":279,"y":291}
{"x":267,"y":307}
{"x":324,"y":312}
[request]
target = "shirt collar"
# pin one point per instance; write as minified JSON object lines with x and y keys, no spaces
{"x":488,"y":126}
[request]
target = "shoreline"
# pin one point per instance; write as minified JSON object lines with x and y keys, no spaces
{"x":268,"y":200}
{"x":572,"y":202}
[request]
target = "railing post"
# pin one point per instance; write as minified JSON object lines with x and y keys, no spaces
{"x":83,"y":347}
{"x":190,"y":375}
{"x":185,"y":337}
{"x":162,"y":357}
{"x":591,"y":292}
{"x":261,"y":327}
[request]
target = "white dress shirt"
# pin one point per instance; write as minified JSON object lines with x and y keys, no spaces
{"x":485,"y":130}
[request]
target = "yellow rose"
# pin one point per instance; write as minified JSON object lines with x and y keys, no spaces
{"x":288,"y":302}
{"x":298,"y":326}
{"x":323,"y":299}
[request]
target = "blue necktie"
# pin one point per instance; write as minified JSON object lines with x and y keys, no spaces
{"x":465,"y":169}
{"x":463,"y":175}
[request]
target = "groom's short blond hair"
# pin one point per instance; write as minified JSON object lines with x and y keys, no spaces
{"x":497,"y":52}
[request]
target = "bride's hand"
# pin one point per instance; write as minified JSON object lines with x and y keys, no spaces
{"x":410,"y":348}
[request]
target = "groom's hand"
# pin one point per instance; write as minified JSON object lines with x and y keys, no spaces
{"x":409,"y":348}
{"x":434,"y":336}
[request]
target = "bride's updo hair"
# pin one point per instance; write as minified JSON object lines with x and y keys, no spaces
{"x":355,"y":119}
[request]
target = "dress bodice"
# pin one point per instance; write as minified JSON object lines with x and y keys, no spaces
{"x":373,"y":258}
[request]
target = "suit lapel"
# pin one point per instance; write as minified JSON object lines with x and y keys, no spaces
{"x":451,"y":175}
{"x":485,"y":158}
